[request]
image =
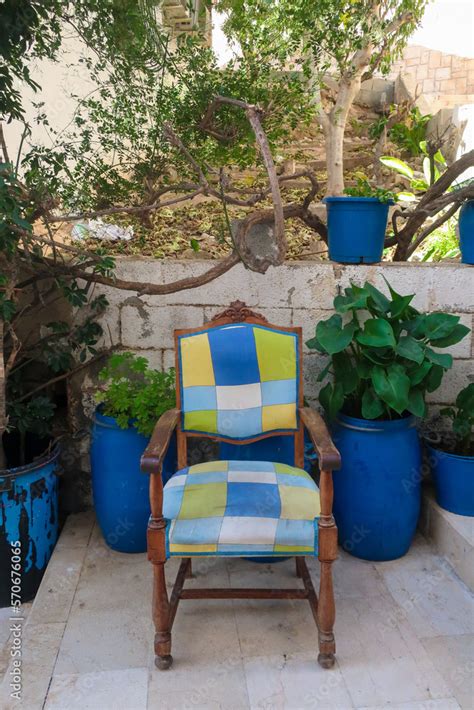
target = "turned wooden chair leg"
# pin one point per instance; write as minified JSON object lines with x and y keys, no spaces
{"x":327,"y":553}
{"x":189,"y":572}
{"x":326,"y":617}
{"x":161,"y":619}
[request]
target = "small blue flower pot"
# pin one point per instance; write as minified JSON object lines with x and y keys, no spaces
{"x":356,"y":229}
{"x":466,"y":232}
{"x":454,"y":481}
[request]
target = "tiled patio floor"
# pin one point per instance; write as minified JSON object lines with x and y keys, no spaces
{"x":404,"y":634}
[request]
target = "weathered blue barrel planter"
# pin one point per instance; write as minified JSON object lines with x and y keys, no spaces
{"x":119,"y":488}
{"x":377,"y":489}
{"x":28,"y":516}
{"x":356,"y":229}
{"x":466,"y":232}
{"x":454,"y":480}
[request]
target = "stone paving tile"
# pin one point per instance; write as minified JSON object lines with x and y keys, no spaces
{"x":200,"y":683}
{"x":40,"y":644}
{"x":432,"y":598}
{"x":77,"y":530}
{"x":294,"y":681}
{"x":58,"y":587}
{"x":380,"y":657}
{"x":453,"y":656}
{"x":104,"y":690}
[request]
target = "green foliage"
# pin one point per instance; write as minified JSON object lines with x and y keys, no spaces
{"x":434,"y":164}
{"x":441,"y":244}
{"x":331,"y":29}
{"x":381,"y":353}
{"x":409,"y":134}
{"x":134,"y":394}
{"x":33,"y":416}
{"x":462,"y":418}
{"x":363,"y":188}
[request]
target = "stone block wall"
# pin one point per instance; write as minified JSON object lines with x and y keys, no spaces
{"x":444,"y":79}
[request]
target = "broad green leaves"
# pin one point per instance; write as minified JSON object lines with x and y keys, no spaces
{"x":462,"y":416}
{"x":333,"y":336}
{"x":392,"y":386}
{"x":382,"y":364}
{"x":377,"y":333}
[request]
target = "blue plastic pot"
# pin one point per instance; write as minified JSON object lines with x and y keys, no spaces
{"x":454,"y":481}
{"x":119,"y":488}
{"x":377,"y":490}
{"x":356,"y":229}
{"x":28,"y":525}
{"x":466,"y":232}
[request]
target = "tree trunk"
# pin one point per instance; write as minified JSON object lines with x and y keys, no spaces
{"x":335,"y":129}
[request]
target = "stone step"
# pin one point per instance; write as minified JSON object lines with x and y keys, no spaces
{"x":451,"y":535}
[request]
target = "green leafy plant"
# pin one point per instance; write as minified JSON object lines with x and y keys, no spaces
{"x":381,"y":354}
{"x":434,"y":165}
{"x":363,"y":188}
{"x":133,"y":393}
{"x":410,"y":134}
{"x":462,"y":418}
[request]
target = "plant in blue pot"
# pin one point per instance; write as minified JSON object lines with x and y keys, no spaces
{"x":132,"y":398}
{"x":383,"y":361}
{"x":451,"y":456}
{"x":357,"y":222}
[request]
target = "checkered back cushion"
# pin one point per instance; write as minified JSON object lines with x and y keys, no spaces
{"x":239,"y":380}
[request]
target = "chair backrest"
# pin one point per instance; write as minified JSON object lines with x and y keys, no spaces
{"x":239,"y":378}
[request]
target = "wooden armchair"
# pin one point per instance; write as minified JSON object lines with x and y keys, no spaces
{"x":240,"y":381}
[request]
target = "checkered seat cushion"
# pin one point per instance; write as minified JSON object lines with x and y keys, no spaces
{"x":241,"y":508}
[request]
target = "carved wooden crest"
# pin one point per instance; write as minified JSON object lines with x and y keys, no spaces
{"x":237,"y":312}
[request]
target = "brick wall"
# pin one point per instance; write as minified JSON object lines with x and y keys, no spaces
{"x":445,"y":79}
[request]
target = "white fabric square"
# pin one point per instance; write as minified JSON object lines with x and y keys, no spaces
{"x":239,"y":396}
{"x":252,"y":477}
{"x":248,"y":531}
{"x":176,"y":481}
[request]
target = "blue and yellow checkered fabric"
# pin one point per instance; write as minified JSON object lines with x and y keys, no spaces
{"x":239,"y":381}
{"x":241,"y":508}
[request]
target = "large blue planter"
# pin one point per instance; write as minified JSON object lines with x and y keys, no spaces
{"x":356,"y":229}
{"x":28,"y":526}
{"x":119,"y":488}
{"x":377,"y":490}
{"x":454,"y":480}
{"x":466,"y":232}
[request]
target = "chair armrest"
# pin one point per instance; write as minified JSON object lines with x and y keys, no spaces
{"x":329,"y":456}
{"x":155,"y":452}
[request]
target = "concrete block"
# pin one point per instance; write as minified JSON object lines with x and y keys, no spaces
{"x":451,"y":535}
{"x":464,"y":348}
{"x":376,"y":93}
{"x":454,"y":380}
{"x":231,"y":286}
{"x":168,"y":359}
{"x":151,"y":327}
{"x":312,"y":366}
{"x":308,"y":320}
{"x":452,"y":288}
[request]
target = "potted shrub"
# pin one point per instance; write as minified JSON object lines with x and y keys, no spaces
{"x":383,"y":363}
{"x":451,"y":457}
{"x":357,"y":222}
{"x":132,"y":399}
